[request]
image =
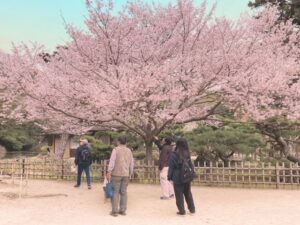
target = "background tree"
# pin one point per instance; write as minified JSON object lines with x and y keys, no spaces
{"x":288,"y":8}
{"x":7,"y":101}
{"x":20,"y":137}
{"x":282,"y":134}
{"x":149,"y":67}
{"x":214,"y":144}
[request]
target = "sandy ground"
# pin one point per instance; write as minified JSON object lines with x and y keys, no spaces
{"x":57,"y":202}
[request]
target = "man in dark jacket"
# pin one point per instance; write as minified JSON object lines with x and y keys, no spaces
{"x":83,"y":160}
{"x":164,"y":158}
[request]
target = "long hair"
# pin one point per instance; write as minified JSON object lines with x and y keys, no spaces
{"x":182,"y":149}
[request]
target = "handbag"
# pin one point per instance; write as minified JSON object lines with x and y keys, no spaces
{"x":109,"y":190}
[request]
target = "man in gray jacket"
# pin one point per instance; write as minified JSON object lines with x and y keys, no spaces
{"x":120,"y":169}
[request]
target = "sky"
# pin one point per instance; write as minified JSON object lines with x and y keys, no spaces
{"x":42,"y":21}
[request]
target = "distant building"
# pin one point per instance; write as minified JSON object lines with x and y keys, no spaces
{"x":54,"y":140}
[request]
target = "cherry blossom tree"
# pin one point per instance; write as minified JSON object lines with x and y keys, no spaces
{"x":150,"y":66}
{"x":2,"y":89}
{"x":7,"y":101}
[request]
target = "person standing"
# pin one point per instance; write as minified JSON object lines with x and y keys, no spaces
{"x":164,"y":158}
{"x":120,"y":169}
{"x":83,"y":159}
{"x":181,"y":172}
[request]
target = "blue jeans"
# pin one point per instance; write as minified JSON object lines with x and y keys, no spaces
{"x":86,"y":169}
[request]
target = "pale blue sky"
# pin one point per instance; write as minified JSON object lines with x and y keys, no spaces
{"x":41,"y":20}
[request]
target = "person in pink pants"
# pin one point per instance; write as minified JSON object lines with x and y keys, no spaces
{"x":166,"y":150}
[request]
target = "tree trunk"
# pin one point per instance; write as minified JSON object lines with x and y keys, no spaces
{"x":286,"y":150}
{"x":225,"y":158}
{"x":226,"y":162}
{"x":149,"y":145}
{"x":2,"y":151}
{"x":62,"y":146}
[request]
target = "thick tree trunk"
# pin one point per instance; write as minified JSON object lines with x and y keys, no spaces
{"x":149,"y":145}
{"x":225,"y":158}
{"x":62,"y":146}
{"x":226,"y":162}
{"x":286,"y":150}
{"x":2,"y":151}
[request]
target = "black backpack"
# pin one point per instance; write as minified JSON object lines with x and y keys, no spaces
{"x":85,"y":155}
{"x":187,"y":171}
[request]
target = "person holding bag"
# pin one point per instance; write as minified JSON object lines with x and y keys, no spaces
{"x":120,"y":169}
{"x":181,"y":172}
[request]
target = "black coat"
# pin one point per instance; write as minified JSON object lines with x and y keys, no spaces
{"x":78,"y":157}
{"x":174,"y":169}
{"x":165,"y":154}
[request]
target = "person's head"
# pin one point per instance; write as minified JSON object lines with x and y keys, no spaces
{"x":168,"y":140}
{"x":83,"y":142}
{"x":122,"y":140}
{"x":182,"y":148}
{"x":175,"y":138}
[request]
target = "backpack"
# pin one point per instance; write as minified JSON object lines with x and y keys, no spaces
{"x":187,"y":171}
{"x":85,"y":155}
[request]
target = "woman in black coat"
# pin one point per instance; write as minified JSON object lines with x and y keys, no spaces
{"x":182,"y":187}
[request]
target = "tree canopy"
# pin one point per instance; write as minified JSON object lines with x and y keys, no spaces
{"x":151,"y":66}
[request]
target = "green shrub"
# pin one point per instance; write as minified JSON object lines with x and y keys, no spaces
{"x":19,"y":137}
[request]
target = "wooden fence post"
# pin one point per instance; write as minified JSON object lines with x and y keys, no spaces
{"x":211,"y":173}
{"x":236,"y":172}
{"x":277,"y":175}
{"x":23,"y":167}
{"x":62,"y":169}
{"x":291,"y":173}
{"x":297,"y":174}
{"x":12,"y":173}
{"x":263,"y":174}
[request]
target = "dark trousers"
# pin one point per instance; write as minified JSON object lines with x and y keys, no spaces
{"x":184,"y":191}
{"x":119,"y":200}
{"x":86,"y":169}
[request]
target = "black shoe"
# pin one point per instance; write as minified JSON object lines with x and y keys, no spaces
{"x":113,"y":214}
{"x":171,"y":196}
{"x":76,"y":185}
{"x":181,"y":213}
{"x":122,"y":213}
{"x":192,"y":212}
{"x":89,"y":187}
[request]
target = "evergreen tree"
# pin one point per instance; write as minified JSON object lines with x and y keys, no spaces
{"x":213,"y":144}
{"x":20,"y":137}
{"x":282,"y":135}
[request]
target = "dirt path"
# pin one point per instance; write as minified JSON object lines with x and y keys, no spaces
{"x":58,"y":203}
